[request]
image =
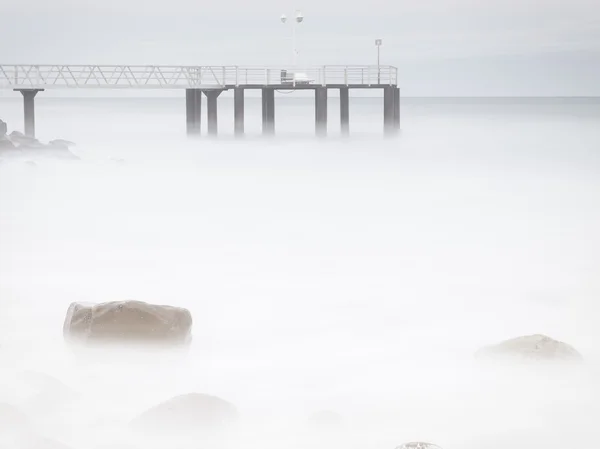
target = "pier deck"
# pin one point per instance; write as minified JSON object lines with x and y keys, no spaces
{"x":212,"y":81}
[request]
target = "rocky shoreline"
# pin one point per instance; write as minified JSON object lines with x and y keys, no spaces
{"x":18,"y":143}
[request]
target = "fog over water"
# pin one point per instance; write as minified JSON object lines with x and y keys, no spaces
{"x":357,"y":276}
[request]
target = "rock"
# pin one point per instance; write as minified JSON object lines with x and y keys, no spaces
{"x":187,"y":415}
{"x":60,"y":144}
{"x":418,"y":445}
{"x":531,"y":347}
{"x":127,"y":322}
{"x":49,"y":394}
{"x":561,"y":436}
{"x":6,"y":144}
{"x":18,"y":432}
{"x":23,"y":141}
{"x":13,"y":420}
{"x":29,"y":145}
{"x":325,"y":420}
{"x":33,"y":441}
{"x":117,"y":445}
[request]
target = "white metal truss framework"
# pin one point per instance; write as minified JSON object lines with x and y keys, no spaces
{"x":184,"y":77}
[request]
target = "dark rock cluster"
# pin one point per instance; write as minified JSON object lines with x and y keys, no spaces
{"x":17,"y":142}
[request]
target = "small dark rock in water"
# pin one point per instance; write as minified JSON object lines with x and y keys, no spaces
{"x":187,"y":414}
{"x":531,"y":347}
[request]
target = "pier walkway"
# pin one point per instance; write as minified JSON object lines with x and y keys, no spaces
{"x":212,"y":81}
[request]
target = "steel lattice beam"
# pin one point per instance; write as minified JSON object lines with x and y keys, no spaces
{"x":185,"y":77}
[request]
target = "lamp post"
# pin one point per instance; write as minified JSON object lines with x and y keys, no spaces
{"x":298,"y":18}
{"x":378,"y":43}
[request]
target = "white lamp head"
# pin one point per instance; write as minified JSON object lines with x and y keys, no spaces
{"x":299,"y":17}
{"x":283,"y":18}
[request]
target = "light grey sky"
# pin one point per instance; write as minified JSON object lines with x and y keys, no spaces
{"x":442,"y":47}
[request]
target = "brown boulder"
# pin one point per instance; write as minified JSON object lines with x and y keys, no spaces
{"x":134,"y":322}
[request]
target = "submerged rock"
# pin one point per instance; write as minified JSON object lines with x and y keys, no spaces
{"x":187,"y":415}
{"x":116,"y":445}
{"x":565,"y":435}
{"x":60,"y":144}
{"x":33,"y":441}
{"x":13,"y":420}
{"x":121,"y":322}
{"x":531,"y":347}
{"x":325,"y":420}
{"x":18,"y":432}
{"x":418,"y":445}
{"x":49,"y":394}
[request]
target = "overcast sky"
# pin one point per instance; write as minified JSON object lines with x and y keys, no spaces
{"x":442,"y":47}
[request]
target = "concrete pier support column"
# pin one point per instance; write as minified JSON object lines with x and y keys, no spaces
{"x":388,"y":111}
{"x":29,"y":109}
{"x":321,"y":111}
{"x":345,"y":110}
{"x":211,"y":106}
{"x":238,"y":111}
{"x":193,"y":104}
{"x":397,"y":108}
{"x":268,"y":111}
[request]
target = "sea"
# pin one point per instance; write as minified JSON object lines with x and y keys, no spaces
{"x":356,"y":275}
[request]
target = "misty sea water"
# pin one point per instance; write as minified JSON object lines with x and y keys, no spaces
{"x":355,"y":275}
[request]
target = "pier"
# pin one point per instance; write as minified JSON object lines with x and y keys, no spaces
{"x":212,"y":81}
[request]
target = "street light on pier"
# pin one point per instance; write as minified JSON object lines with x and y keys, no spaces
{"x":298,"y":18}
{"x":378,"y":43}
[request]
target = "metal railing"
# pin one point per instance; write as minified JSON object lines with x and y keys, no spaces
{"x":182,"y":77}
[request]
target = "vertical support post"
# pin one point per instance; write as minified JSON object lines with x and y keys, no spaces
{"x":238,"y":111}
{"x":388,"y":110}
{"x":268,"y":111}
{"x":211,"y":106}
{"x":193,"y":106}
{"x":345,"y":110}
{"x":321,"y":111}
{"x":397,"y":108}
{"x":29,"y":110}
{"x":378,"y":66}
